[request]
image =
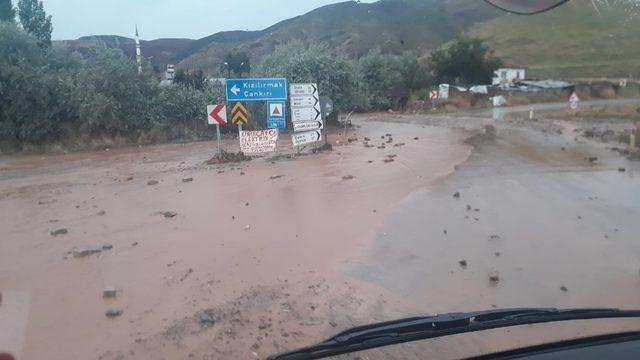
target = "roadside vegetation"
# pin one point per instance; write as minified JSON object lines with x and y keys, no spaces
{"x":51,"y":95}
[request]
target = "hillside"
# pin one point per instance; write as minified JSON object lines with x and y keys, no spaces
{"x":355,"y":28}
{"x":160,"y":51}
{"x":573,"y":41}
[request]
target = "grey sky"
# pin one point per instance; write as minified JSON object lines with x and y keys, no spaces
{"x":169,"y":18}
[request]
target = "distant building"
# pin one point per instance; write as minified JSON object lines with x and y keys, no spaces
{"x":508,"y":76}
{"x":170,"y":73}
{"x":221,"y":81}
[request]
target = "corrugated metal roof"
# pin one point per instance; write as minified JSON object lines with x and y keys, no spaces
{"x":546,"y":84}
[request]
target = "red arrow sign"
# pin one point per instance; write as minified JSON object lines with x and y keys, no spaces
{"x":217,"y":114}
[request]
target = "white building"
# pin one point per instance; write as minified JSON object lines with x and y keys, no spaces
{"x":170,"y":73}
{"x":507,"y":75}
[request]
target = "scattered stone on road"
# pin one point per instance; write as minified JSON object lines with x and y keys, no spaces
{"x":169,"y":214}
{"x":107,"y":247}
{"x":347,"y":177}
{"x":109,"y":293}
{"x":152,"y":182}
{"x":494,"y":237}
{"x":622,"y":169}
{"x":207,"y":317}
{"x":494,"y":277}
{"x":101,"y":213}
{"x":370,"y":161}
{"x":399,"y":144}
{"x":246,"y":204}
{"x":564,"y":288}
{"x":456,"y":195}
{"x":135,"y":244}
{"x":367,"y":139}
{"x":79,"y":253}
{"x":59,"y":232}
{"x":593,"y":159}
{"x":186,"y":274}
{"x":416,"y":138}
{"x":186,"y":180}
{"x":463,"y":263}
{"x":274,"y":177}
{"x":113,"y":313}
{"x":468,"y":207}
{"x":497,"y":253}
{"x":247,"y":227}
{"x":241,"y":173}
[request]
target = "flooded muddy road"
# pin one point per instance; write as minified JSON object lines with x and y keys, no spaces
{"x":247,"y":260}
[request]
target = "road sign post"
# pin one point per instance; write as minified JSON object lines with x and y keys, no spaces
{"x":306,"y":113}
{"x":276,"y":115}
{"x":307,"y":137}
{"x":239,"y":113}
{"x":256,"y":89}
{"x":217,"y":115}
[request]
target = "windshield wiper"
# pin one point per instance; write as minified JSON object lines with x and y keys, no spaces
{"x":420,"y":328}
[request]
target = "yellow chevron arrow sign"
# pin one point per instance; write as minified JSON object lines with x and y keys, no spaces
{"x":239,"y":113}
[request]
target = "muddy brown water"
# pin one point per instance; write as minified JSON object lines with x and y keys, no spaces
{"x":296,"y":250}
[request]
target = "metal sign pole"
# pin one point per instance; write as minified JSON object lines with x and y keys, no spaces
{"x":218,"y":137}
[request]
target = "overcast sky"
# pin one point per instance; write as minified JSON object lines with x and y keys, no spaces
{"x":169,"y":18}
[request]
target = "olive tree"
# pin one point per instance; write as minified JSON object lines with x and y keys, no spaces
{"x":336,"y":76}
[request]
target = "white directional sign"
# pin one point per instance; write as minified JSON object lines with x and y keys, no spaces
{"x":306,"y":114}
{"x":306,"y":137}
{"x":305,"y":101}
{"x":307,"y":125}
{"x":303,"y":89}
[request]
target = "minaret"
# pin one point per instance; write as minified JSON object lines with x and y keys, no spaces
{"x":138,"y":52}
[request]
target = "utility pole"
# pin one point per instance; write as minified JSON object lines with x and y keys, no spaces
{"x":138,"y":52}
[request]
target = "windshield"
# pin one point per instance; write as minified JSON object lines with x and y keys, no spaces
{"x":234,"y":180}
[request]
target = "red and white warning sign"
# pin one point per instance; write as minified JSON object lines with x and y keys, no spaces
{"x":433,"y":95}
{"x":216,"y":114}
{"x":275,"y":110}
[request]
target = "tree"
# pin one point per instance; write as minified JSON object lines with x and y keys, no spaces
{"x":336,"y":76}
{"x":238,"y":62}
{"x":465,"y":61}
{"x":389,"y":79}
{"x":194,"y":79}
{"x":7,"y":12}
{"x":35,"y":21}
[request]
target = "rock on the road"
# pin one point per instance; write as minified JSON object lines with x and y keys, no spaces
{"x":169,"y":214}
{"x":59,"y":232}
{"x":152,"y":182}
{"x":494,"y":278}
{"x":109,"y":293}
{"x":79,"y":253}
{"x":113,"y":313}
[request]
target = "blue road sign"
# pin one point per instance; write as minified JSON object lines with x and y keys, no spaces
{"x":276,"y":115}
{"x":256,"y":89}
